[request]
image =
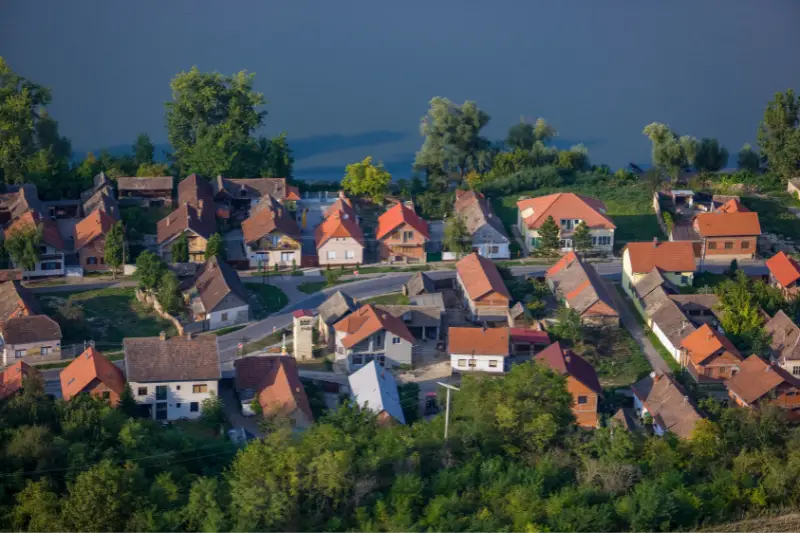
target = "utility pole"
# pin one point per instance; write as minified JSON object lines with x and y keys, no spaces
{"x":447,"y":406}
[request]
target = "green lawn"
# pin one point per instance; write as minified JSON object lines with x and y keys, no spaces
{"x":774,"y":216}
{"x":629,"y":207}
{"x":269,"y":299}
{"x":269,"y":340}
{"x":106,"y":315}
{"x":229,"y":329}
{"x":397,"y":298}
{"x":310,"y":287}
{"x":615,"y":355}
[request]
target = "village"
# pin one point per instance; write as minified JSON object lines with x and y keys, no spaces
{"x":640,"y":344}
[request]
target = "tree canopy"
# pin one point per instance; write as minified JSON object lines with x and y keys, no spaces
{"x":671,"y":152}
{"x":367,"y":180}
{"x":779,"y":134}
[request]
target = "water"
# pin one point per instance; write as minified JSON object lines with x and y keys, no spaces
{"x":350,"y":79}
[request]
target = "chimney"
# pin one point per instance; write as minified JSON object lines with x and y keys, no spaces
{"x":200,"y":204}
{"x":162,"y":335}
{"x":189,"y":335}
{"x":685,"y":399}
{"x":655,"y":242}
{"x":341,"y":195}
{"x":567,"y":358}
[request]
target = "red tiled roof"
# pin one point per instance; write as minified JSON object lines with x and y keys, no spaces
{"x":732,"y":206}
{"x":480,"y":276}
{"x":529,"y":335}
{"x":268,"y":219}
{"x":565,"y":205}
{"x":338,"y":225}
{"x":97,"y":224}
{"x":562,"y":263}
{"x":727,"y":224}
{"x":478,"y":341}
{"x":11,"y":378}
{"x":276,"y":382}
{"x":87,"y":367}
{"x":756,"y":378}
{"x":398,"y":215}
{"x":675,"y":256}
{"x":367,"y":320}
{"x":784,"y":268}
{"x":568,"y":363}
{"x":706,"y":341}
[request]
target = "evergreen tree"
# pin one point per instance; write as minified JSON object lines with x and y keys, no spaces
{"x":22,"y":245}
{"x":126,"y":403}
{"x":215,"y":247}
{"x":180,"y":249}
{"x":581,"y":238}
{"x":114,"y":247}
{"x":549,"y":236}
{"x":456,"y":237}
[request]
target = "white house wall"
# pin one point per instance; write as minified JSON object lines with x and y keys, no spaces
{"x":482,"y":363}
{"x":179,"y":397}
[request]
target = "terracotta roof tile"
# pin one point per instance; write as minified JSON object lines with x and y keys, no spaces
{"x":480,"y":276}
{"x":756,"y":378}
{"x":705,"y":342}
{"x":150,"y":359}
{"x":784,"y":269}
{"x":727,"y":224}
{"x":30,"y":329}
{"x":784,"y":336}
{"x":396,"y":216}
{"x":339,"y":225}
{"x":580,"y":285}
{"x":276,"y":382}
{"x":11,"y":378}
{"x":675,"y":256}
{"x":270,"y":217}
{"x":215,"y":282}
{"x":368,"y":320}
{"x":17,"y":300}
{"x":668,"y":403}
{"x":97,"y":224}
{"x":253,"y":188}
{"x":479,"y":341}
{"x":568,"y":363}
{"x":156,"y":183}
{"x":732,"y":205}
{"x":10,"y":274}
{"x":50,"y":233}
{"x":87,"y":367}
{"x":564,"y":205}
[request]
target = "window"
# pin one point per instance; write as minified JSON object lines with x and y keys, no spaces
{"x":493,"y":363}
{"x":684,"y":280}
{"x":565,"y":243}
{"x":494,"y":249}
{"x":379,"y":341}
{"x":796,"y":370}
{"x":102,"y":261}
{"x":408,"y":235}
{"x":604,"y":240}
{"x":728,"y":245}
{"x":51,"y":265}
{"x":582,"y":400}
{"x":339,"y":350}
{"x":19,"y":353}
{"x":106,"y":395}
{"x":745,"y":245}
{"x":196,"y":389}
{"x":473,"y":363}
{"x":287,"y":257}
{"x":358,"y":360}
{"x":332,"y":254}
{"x":224,"y":317}
{"x":194,"y":407}
{"x":141,"y":391}
{"x":395,"y":340}
{"x":177,"y":387}
{"x":567,"y":224}
{"x":712,"y":246}
{"x":44,"y":350}
{"x":594,"y":241}
{"x":161,"y":393}
{"x":178,"y":405}
{"x":91,"y":260}
{"x":161,"y":411}
{"x":535,"y":242}
{"x":462,"y":362}
{"x":349,"y":254}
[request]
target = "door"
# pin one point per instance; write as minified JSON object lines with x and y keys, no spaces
{"x":161,"y":411}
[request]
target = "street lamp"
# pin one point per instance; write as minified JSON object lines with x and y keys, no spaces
{"x":447,"y":406}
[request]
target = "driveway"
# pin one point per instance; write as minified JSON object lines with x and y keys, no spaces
{"x":637,"y":332}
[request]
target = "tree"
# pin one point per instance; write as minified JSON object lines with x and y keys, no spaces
{"x":143,"y":150}
{"x":367,"y":180}
{"x":453,"y":141}
{"x":779,"y":134}
{"x":210,"y":120}
{"x":748,"y":159}
{"x":576,"y":158}
{"x":126,"y":403}
{"x":520,"y":136}
{"x":457,"y":238}
{"x":100,"y":499}
{"x":204,"y":510}
{"x":212,"y":412}
{"x":180,"y":249}
{"x":711,"y":157}
{"x":542,"y":131}
{"x":671,"y":152}
{"x":168,"y":294}
{"x":149,"y":170}
{"x":669,"y":222}
{"x":581,"y":238}
{"x":114,"y":248}
{"x":549,"y":236}
{"x":278,"y":160}
{"x":568,"y":326}
{"x":149,"y":268}
{"x":215,"y":247}
{"x":22,"y":245}
{"x":741,"y":313}
{"x":37,"y":509}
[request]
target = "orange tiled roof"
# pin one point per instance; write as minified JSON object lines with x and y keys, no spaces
{"x":478,"y":341}
{"x":565,"y":205}
{"x":12,"y":377}
{"x":97,"y":224}
{"x":706,"y":341}
{"x":87,"y":367}
{"x":281,"y":391}
{"x":50,"y":233}
{"x":480,"y":276}
{"x":562,"y":263}
{"x":368,"y":320}
{"x":732,"y":206}
{"x":568,"y":363}
{"x":398,"y":215}
{"x":338,"y":224}
{"x":727,"y":224}
{"x":756,"y":378}
{"x":292,"y":193}
{"x":675,"y":256}
{"x":784,"y":268}
{"x":268,"y":219}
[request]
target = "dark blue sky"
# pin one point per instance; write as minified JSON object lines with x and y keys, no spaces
{"x":365,"y":70}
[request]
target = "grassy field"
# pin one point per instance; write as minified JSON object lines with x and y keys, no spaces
{"x":397,"y":298}
{"x":108,"y":315}
{"x":310,"y":287}
{"x":615,"y":355}
{"x":629,"y":207}
{"x":269,"y":340}
{"x":270,"y":299}
{"x":774,"y":216}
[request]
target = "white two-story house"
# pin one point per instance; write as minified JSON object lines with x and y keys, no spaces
{"x":271,"y":236}
{"x":218,"y":296}
{"x":171,"y":377}
{"x":370,"y":334}
{"x":489,"y":237}
{"x":479,"y":349}
{"x":568,"y":210}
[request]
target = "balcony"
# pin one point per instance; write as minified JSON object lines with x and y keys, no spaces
{"x":267,"y":246}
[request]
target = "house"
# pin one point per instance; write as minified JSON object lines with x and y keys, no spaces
{"x":661,"y":313}
{"x":419,"y":283}
{"x":581,"y":288}
{"x":372,"y":334}
{"x":784,"y":342}
{"x":13,"y":378}
{"x":103,"y":200}
{"x":423,"y":321}
{"x":52,"y":249}
{"x":194,"y":217}
{"x":218,"y":296}
{"x":402,"y":235}
{"x":784,"y":272}
{"x":674,"y":261}
{"x":699,"y":308}
{"x":489,"y":237}
{"x":658,"y":397}
{"x":235,"y":197}
{"x":91,"y":373}
{"x":32,"y":338}
{"x":271,"y":235}
{"x":526,"y":342}
{"x":99,"y":183}
{"x":479,"y":349}
{"x":709,"y":356}
{"x":274,"y":382}
{"x":332,"y":310}
{"x":482,"y":288}
{"x":582,"y":382}
{"x":16,"y":301}
{"x":732,"y":205}
{"x":374,"y":388}
{"x":90,"y":240}
{"x":171,"y":377}
{"x":10,"y":274}
{"x":16,"y":200}
{"x":732,"y":235}
{"x":146,"y":192}
{"x":339,"y":238}
{"x":757,"y":383}
{"x":568,"y":210}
